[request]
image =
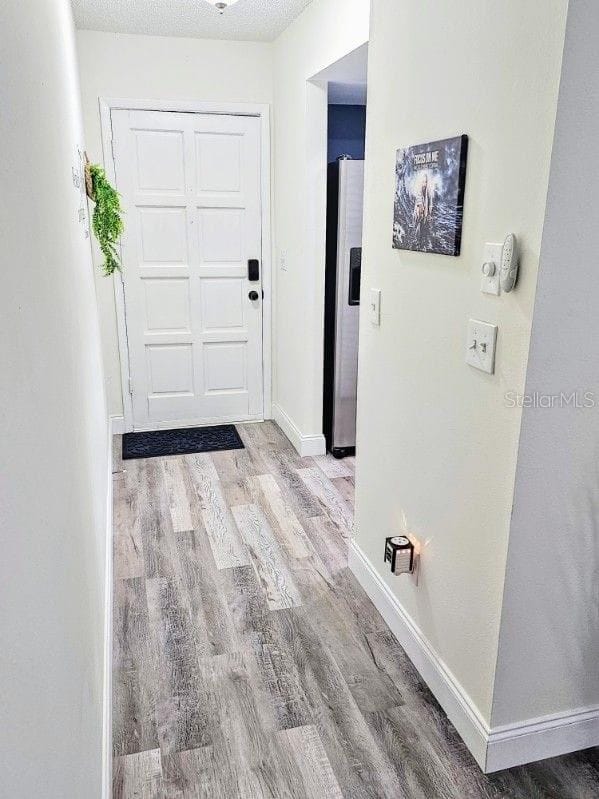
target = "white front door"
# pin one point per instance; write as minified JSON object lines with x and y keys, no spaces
{"x":190,"y":186}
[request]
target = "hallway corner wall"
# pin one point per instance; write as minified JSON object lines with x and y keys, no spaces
{"x":53,"y":423}
{"x":548,"y":645}
{"x":437,"y":441}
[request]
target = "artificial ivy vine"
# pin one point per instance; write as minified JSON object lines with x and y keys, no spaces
{"x":107,"y":222}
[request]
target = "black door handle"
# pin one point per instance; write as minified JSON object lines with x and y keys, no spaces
{"x":253,"y":270}
{"x":253,"y":295}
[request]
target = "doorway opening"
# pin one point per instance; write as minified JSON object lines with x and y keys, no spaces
{"x":346,"y":82}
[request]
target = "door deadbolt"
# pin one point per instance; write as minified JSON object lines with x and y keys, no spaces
{"x":253,"y":295}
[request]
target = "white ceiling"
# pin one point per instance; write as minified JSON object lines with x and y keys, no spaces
{"x":251,"y":20}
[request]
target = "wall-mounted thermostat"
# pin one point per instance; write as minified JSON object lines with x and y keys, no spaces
{"x":508,"y":270}
{"x":399,"y":552}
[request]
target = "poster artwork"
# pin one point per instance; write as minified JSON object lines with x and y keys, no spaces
{"x":429,"y":196}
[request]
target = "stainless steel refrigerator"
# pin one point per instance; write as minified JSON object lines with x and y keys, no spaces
{"x":345,"y":198}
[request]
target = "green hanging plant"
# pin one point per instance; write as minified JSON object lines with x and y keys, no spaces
{"x":107,"y":222}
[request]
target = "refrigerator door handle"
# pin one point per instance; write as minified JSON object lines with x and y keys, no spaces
{"x":355,"y":269}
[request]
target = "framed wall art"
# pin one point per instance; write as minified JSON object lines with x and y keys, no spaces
{"x":429,"y":196}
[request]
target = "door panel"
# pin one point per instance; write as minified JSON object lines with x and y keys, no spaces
{"x":160,"y":160}
{"x":223,"y":300}
{"x":191,"y":190}
{"x":221,"y":235}
{"x":167,"y":304}
{"x":218,"y":160}
{"x":163,"y":235}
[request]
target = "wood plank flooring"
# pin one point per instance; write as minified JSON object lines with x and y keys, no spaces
{"x":249,"y":663}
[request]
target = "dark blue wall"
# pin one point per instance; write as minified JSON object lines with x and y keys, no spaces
{"x":347,"y":129}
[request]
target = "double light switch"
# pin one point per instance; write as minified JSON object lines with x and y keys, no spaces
{"x":480,"y":345}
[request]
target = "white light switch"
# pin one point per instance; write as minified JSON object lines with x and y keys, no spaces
{"x":375,"y":306}
{"x":283,"y":260}
{"x":490,"y":268}
{"x":480,"y":346}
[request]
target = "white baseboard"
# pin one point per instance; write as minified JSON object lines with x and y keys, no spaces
{"x":493,"y":749}
{"x":107,"y":665}
{"x":537,"y":739}
{"x":306,"y":445}
{"x":117,"y":425}
{"x":449,"y":693}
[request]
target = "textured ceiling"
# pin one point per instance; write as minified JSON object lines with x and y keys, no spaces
{"x":252,"y":20}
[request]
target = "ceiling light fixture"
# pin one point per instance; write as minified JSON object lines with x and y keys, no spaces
{"x":221,"y":4}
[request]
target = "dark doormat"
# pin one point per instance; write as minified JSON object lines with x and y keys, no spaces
{"x":156,"y":443}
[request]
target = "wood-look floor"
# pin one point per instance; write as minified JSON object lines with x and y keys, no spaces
{"x":249,"y":663}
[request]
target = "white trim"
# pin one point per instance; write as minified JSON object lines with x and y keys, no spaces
{"x":260,"y":110}
{"x":536,"y":739}
{"x":493,"y":749}
{"x":449,"y":693}
{"x":117,"y":425}
{"x":180,"y":424}
{"x":267,"y":276}
{"x":316,"y":228}
{"x":306,"y":445}
{"x":185,"y":106}
{"x":107,"y":665}
{"x":119,"y":293}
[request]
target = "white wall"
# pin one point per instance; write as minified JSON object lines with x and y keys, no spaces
{"x":53,"y":427}
{"x":159,"y":68}
{"x":549,"y":648}
{"x":325,"y":32}
{"x":437,"y":445}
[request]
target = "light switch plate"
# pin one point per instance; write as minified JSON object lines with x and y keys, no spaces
{"x":492,"y":254}
{"x":375,"y":306}
{"x":480,"y":345}
{"x":283,"y":260}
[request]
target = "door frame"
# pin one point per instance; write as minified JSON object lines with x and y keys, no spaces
{"x":262,"y":112}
